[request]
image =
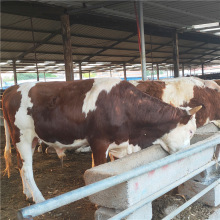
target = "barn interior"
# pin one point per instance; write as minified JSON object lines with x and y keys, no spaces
{"x":79,"y":39}
{"x":106,"y":37}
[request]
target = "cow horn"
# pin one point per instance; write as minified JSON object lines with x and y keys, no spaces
{"x":194,"y":110}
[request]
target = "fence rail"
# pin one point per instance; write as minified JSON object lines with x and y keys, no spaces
{"x":72,"y":196}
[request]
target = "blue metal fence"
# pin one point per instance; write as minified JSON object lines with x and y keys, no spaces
{"x":72,"y":196}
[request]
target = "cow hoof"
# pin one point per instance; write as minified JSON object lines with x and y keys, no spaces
{"x":39,"y":149}
{"x":50,"y":150}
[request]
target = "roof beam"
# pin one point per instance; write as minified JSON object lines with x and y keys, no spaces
{"x":61,"y":53}
{"x":214,"y":58}
{"x":186,"y":52}
{"x":90,"y":7}
{"x":111,"y":46}
{"x":50,"y":36}
{"x":132,"y":17}
{"x":180,"y":11}
{"x":214,"y":50}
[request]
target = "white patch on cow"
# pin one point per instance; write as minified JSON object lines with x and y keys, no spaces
{"x":187,"y":108}
{"x":173,"y":92}
{"x":122,"y":149}
{"x":134,"y":82}
{"x":179,"y":137}
{"x":99,"y":85}
{"x":212,"y":85}
{"x":83,"y":149}
{"x":25,"y":124}
{"x":76,"y":144}
{"x":60,"y":148}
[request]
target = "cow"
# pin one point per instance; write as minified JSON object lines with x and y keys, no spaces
{"x":187,"y":91}
{"x":108,"y":114}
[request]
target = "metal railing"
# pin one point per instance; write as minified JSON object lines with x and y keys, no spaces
{"x":72,"y":196}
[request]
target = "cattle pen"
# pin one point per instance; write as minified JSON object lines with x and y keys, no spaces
{"x":201,"y":157}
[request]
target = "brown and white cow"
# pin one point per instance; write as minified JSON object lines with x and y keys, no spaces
{"x":187,"y":91}
{"x":107,"y":114}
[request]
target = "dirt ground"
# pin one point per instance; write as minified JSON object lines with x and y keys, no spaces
{"x":54,"y":180}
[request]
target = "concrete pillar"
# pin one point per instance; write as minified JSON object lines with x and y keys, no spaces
{"x":202,"y":68}
{"x":44,"y":77}
{"x":67,"y":48}
{"x":143,"y":54}
{"x":175,"y":54}
{"x":158,"y":72}
{"x":89,"y":73}
{"x":124,"y":68}
{"x":182,"y":69}
{"x":80,"y":71}
{"x":15,"y":74}
{"x":190,"y":70}
{"x":110,"y":71}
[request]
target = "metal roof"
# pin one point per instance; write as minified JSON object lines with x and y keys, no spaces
{"x":105,"y":31}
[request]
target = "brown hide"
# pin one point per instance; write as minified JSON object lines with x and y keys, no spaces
{"x":11,"y":101}
{"x":208,"y":98}
{"x":210,"y":101}
{"x":125,"y":113}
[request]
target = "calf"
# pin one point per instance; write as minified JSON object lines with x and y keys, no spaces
{"x":109,"y":114}
{"x":187,"y":91}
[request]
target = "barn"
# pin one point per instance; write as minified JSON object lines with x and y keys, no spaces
{"x":81,"y":55}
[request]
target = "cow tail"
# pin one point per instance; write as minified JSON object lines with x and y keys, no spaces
{"x":7,"y":153}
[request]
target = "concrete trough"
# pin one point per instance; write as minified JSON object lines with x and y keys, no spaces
{"x":128,"y":193}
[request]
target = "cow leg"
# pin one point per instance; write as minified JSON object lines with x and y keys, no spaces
{"x":7,"y":153}
{"x":29,"y":186}
{"x":99,"y":148}
{"x":26,"y":190}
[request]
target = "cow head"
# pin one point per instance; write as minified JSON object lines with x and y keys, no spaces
{"x":179,"y":137}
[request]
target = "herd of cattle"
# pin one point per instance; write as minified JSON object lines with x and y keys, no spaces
{"x":110,"y":115}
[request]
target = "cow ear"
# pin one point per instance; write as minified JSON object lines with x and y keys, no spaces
{"x":194,"y":110}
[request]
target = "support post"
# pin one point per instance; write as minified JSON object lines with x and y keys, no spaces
{"x":89,"y":73}
{"x":143,"y":54}
{"x":190,"y":70}
{"x":202,"y":68}
{"x":175,"y":54}
{"x":44,"y":77}
{"x":1,"y":79}
{"x":35,"y":54}
{"x":152,"y":71}
{"x":110,"y":71}
{"x":14,"y":71}
{"x":65,"y":25}
{"x":182,"y":69}
{"x":124,"y":67}
{"x":80,"y":71}
{"x":158,"y":72}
